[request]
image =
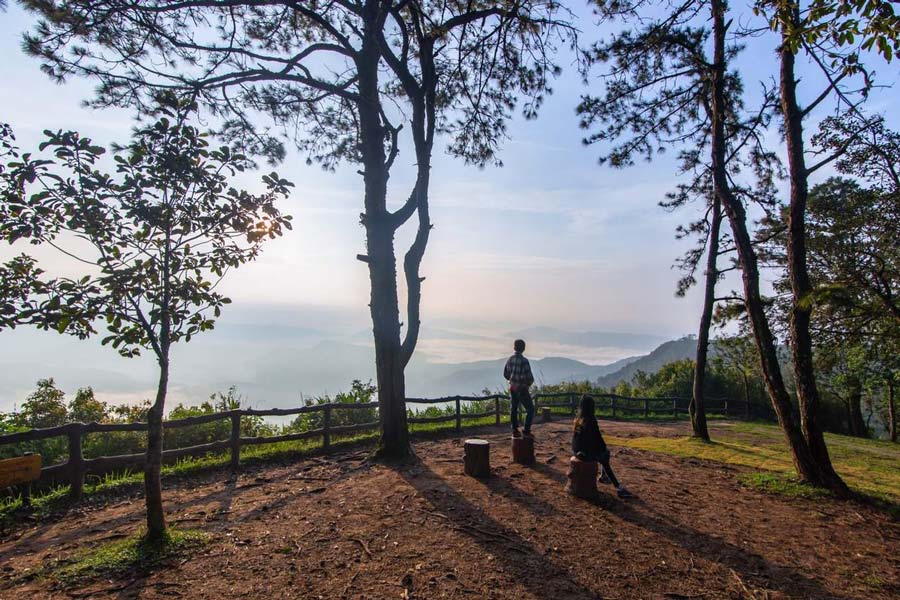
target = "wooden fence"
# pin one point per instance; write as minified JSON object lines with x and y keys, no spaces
{"x":76,"y":468}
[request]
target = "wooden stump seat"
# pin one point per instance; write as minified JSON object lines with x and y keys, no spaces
{"x":582,"y":478}
{"x":523,"y":450}
{"x":477,"y":457}
{"x":546,"y":413}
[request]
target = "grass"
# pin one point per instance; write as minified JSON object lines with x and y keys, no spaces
{"x":783,"y":485}
{"x":121,"y":556}
{"x":871,"y":467}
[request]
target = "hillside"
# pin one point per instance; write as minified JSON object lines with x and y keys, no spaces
{"x":665,"y":353}
{"x":471,"y":378}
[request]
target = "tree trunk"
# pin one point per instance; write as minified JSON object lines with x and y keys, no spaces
{"x":389,"y":364}
{"x":156,"y":518}
{"x":747,"y":395}
{"x":800,"y":452}
{"x":854,"y":411}
{"x":892,"y":411}
{"x":801,"y":288}
{"x":697,"y":408}
{"x":380,"y":228}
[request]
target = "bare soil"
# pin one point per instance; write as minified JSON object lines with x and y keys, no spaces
{"x":340,"y":527}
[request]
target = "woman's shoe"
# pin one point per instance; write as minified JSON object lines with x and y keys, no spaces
{"x":621,"y":492}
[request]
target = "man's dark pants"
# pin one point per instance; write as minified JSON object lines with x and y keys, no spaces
{"x":519,"y":395}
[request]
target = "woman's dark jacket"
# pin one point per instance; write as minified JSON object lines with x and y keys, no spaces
{"x":587,"y":443}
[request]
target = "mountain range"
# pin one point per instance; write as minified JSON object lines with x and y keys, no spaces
{"x":471,"y":378}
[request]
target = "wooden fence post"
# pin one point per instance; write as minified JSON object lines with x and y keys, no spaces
{"x":497,"y":409}
{"x":675,"y":408}
{"x":458,"y":415}
{"x":572,"y":403}
{"x":613,"y":407}
{"x":726,"y":407}
{"x":76,"y":462}
{"x":749,"y":415}
{"x":235,"y":440}
{"x":646,"y":408}
{"x":326,"y":428}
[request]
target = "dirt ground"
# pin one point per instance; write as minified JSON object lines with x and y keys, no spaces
{"x":339,"y":527}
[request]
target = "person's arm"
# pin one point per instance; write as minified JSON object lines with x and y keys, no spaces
{"x":601,"y":442}
{"x":529,"y":378}
{"x":597,"y":438}
{"x":507,"y":370}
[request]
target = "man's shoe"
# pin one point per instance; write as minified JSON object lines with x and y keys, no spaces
{"x":528,"y":434}
{"x":604,"y":478}
{"x":516,"y":433}
{"x":621,"y":492}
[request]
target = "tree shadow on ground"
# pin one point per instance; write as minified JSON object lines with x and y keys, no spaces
{"x":529,"y":566}
{"x":497,"y":484}
{"x":751,"y":567}
{"x":37,"y":541}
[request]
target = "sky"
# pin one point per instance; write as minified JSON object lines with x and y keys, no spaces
{"x":552,"y":238}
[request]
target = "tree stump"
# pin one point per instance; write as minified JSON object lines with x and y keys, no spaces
{"x":546,"y":413}
{"x":582,"y":478}
{"x":477,"y":458}
{"x":523,"y":450}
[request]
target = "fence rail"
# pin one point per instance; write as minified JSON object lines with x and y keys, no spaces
{"x":77,"y":467}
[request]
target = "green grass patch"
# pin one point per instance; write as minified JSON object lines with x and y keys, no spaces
{"x":871,"y":467}
{"x":134,"y":553}
{"x":782,"y":485}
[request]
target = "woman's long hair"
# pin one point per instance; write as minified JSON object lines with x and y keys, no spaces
{"x":585,"y":412}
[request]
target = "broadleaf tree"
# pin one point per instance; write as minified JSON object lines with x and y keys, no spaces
{"x":154,"y":240}
{"x":351,"y":81}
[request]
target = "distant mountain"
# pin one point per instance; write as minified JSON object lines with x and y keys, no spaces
{"x":665,"y":353}
{"x":590,"y":339}
{"x":472,"y":378}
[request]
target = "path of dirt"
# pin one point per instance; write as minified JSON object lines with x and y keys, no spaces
{"x":337,"y":527}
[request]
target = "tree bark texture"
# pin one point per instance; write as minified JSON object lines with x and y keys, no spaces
{"x":697,"y":408}
{"x":477,"y":458}
{"x":737,"y":217}
{"x":156,"y":518}
{"x":523,"y":450}
{"x":801,"y":288}
{"x":582,"y":476}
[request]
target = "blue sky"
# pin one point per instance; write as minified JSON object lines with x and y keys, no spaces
{"x":552,"y":238}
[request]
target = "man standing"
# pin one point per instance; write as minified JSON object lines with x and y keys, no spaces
{"x":518,"y":372}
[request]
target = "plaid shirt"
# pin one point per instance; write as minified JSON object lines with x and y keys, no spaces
{"x":518,"y":370}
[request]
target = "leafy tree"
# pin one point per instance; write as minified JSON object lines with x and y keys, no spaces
{"x":737,"y":357}
{"x":45,"y":407}
{"x":852,"y":261}
{"x":85,"y":408}
{"x":673,"y":379}
{"x":359,"y":393}
{"x":866,"y":24}
{"x":155,"y":240}
{"x":339,"y":80}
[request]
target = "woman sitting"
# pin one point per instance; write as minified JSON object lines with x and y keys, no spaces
{"x":588,"y":444}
